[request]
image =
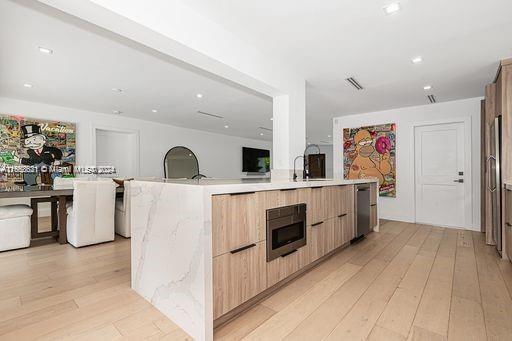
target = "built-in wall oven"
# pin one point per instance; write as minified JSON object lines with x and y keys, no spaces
{"x":286,"y":230}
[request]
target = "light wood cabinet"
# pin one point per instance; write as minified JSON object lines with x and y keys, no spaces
{"x":344,"y":229}
{"x":282,"y":267}
{"x":237,"y":277}
{"x":508,"y":223}
{"x":317,"y":205}
{"x":236,"y":222}
{"x":320,"y":239}
{"x":339,"y":200}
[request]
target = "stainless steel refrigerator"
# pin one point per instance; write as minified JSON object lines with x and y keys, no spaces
{"x":494,"y":178}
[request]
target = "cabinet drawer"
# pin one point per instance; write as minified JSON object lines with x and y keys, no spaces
{"x":236,"y":221}
{"x":317,"y":205}
{"x":344,"y":229}
{"x":237,"y":277}
{"x":373,"y":193}
{"x":320,"y":239}
{"x":282,"y":267}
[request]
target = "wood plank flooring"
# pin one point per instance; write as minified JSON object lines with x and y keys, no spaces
{"x":408,"y":282}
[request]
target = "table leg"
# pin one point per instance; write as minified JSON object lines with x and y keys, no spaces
{"x":62,"y":220}
{"x":55,"y":221}
{"x":34,"y":219}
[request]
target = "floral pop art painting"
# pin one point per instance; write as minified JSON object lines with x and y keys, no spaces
{"x":370,"y":152}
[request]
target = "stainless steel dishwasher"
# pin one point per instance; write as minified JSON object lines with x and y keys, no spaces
{"x":362,"y":200}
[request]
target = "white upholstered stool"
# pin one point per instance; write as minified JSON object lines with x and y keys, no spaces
{"x":14,"y":227}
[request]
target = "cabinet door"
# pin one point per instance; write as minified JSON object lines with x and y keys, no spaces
{"x":347,"y":226}
{"x":282,"y":267}
{"x":235,"y":222}
{"x":321,"y":239}
{"x":333,"y":201}
{"x":317,"y":205}
{"x":237,"y":277}
{"x":347,"y":199}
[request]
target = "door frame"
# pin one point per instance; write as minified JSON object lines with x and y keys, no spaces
{"x":134,"y":132}
{"x":468,"y":200}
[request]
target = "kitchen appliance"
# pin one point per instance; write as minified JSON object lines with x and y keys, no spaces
{"x":286,"y":230}
{"x":362,"y":200}
{"x":494,"y":180}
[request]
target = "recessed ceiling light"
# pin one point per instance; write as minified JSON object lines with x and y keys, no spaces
{"x":117,"y":90}
{"x":27,"y":85}
{"x":226,"y":126}
{"x":45,"y":50}
{"x":328,"y":135}
{"x":117,"y":112}
{"x":427,"y":87}
{"x":199,"y":95}
{"x":261,"y":134}
{"x":271,"y":118}
{"x":417,"y":60}
{"x":154,"y":110}
{"x":391,"y":8}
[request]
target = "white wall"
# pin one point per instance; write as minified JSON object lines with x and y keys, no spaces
{"x":218,"y":155}
{"x":402,"y":207}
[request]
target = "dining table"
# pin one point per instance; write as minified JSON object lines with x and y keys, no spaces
{"x":57,"y":197}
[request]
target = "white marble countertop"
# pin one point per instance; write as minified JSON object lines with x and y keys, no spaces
{"x":223,"y":186}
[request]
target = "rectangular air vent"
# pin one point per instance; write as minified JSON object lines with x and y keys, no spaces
{"x":208,"y":114}
{"x":352,"y":81}
{"x":431,"y":98}
{"x":267,"y":129}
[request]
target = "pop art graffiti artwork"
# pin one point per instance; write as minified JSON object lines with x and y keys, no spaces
{"x":39,"y":144}
{"x":370,"y":152}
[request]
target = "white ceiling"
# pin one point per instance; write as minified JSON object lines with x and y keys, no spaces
{"x":461,"y":42}
{"x":88,"y":62}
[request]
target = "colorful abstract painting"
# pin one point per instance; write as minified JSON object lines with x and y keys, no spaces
{"x":26,"y":144}
{"x":370,"y":152}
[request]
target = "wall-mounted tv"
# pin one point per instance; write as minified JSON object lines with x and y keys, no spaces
{"x":255,"y":160}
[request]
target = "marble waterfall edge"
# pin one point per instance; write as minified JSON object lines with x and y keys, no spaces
{"x":171,"y":238}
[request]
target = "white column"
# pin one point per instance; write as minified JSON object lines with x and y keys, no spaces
{"x":289,"y":133}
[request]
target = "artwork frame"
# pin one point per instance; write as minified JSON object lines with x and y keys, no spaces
{"x":370,"y":152}
{"x":33,"y":151}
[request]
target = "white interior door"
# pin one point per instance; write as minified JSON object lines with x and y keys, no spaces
{"x":117,"y":149}
{"x":442,"y":175}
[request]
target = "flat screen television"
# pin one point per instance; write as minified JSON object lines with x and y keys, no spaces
{"x":255,"y":160}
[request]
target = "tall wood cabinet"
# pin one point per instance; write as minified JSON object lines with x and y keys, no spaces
{"x":498,"y":102}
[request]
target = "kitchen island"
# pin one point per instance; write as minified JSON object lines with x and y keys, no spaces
{"x":202,"y":251}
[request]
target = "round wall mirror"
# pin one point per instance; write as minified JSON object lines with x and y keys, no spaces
{"x":180,"y":162}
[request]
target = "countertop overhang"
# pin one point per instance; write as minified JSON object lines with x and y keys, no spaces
{"x":224,"y":186}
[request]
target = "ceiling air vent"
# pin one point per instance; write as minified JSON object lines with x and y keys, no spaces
{"x":354,"y":83}
{"x":431,"y":98}
{"x":208,"y":114}
{"x":263,"y":128}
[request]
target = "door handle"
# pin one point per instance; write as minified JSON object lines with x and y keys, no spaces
{"x":491,"y":157}
{"x":242,"y":248}
{"x":459,"y":180}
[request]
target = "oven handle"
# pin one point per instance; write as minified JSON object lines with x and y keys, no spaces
{"x":242,"y":248}
{"x":316,"y":224}
{"x":288,"y":253}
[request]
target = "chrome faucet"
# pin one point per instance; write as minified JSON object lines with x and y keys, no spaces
{"x":305,"y":172}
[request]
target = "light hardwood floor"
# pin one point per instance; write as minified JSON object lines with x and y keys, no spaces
{"x":406,"y":282}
